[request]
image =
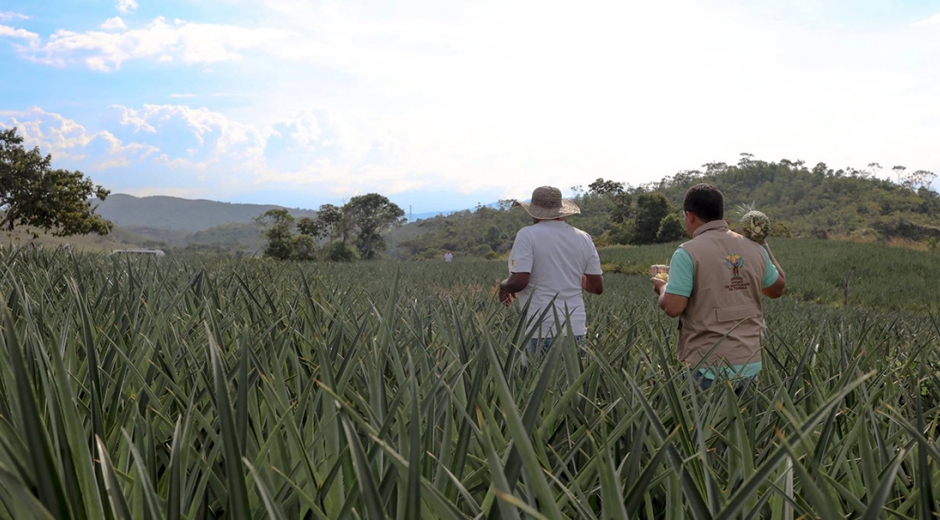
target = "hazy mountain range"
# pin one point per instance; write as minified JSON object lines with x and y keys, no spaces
{"x":176,"y":214}
{"x":176,"y":224}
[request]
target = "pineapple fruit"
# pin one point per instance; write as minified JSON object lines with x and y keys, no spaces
{"x":754,"y":224}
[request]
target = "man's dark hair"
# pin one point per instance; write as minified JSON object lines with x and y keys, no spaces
{"x":705,"y":202}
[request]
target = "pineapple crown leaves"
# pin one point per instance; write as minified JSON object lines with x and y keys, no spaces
{"x":743,"y":209}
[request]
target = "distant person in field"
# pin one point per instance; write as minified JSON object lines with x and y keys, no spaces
{"x":714,"y":287}
{"x":550,"y":263}
{"x":448,"y":257}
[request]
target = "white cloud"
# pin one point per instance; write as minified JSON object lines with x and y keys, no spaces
{"x":191,"y":138}
{"x":69,"y":141}
{"x":491,"y":95}
{"x":10,"y":15}
{"x":509,"y":95}
{"x":17,"y":33}
{"x":158,"y":147}
{"x":159,"y":40}
{"x":929,"y":21}
{"x":168,"y":148}
{"x":113,"y":24}
{"x":127,"y":6}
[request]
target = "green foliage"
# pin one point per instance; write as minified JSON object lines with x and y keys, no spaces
{"x":192,"y":387}
{"x":887,"y":278}
{"x":621,"y":233}
{"x":279,"y":226}
{"x":616,"y":194}
{"x":372,"y":214}
{"x":460,"y":233}
{"x":332,"y":222}
{"x":671,"y":228}
{"x":651,"y":209}
{"x":465,"y":232}
{"x":340,"y":252}
{"x":801,"y":202}
{"x":34,"y":194}
{"x":819,"y":202}
{"x":310,"y":227}
{"x":304,"y":248}
{"x":368,"y":216}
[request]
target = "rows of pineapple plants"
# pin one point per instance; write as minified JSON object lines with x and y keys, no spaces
{"x":884,"y":277}
{"x":193,"y":388}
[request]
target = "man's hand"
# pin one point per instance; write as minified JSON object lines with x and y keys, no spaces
{"x":506,"y":297}
{"x":592,"y":283}
{"x":658,"y":285}
{"x":510,"y":286}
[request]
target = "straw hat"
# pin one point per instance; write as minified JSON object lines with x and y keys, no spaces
{"x":547,"y":204}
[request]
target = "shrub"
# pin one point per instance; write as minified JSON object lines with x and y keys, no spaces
{"x":340,"y":252}
{"x":479,"y":251}
{"x":671,"y":228}
{"x":304,"y":248}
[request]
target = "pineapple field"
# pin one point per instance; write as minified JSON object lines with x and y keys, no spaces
{"x":203,"y":388}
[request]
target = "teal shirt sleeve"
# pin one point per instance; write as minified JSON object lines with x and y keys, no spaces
{"x":770,"y":273}
{"x":681,"y":274}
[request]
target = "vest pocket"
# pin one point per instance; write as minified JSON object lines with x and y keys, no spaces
{"x":736,"y":313}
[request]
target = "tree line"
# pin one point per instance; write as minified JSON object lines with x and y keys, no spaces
{"x":819,"y":202}
{"x":338,"y":233}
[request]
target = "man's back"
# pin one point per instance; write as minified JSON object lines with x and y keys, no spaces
{"x":556,"y":255}
{"x":725,"y":305}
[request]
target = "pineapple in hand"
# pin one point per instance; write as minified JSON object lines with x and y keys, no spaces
{"x":660,"y":272}
{"x":755,"y":224}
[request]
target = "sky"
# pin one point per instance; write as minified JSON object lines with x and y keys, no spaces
{"x":445,"y":104}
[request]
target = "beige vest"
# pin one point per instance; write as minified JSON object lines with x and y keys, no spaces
{"x":725,"y":300}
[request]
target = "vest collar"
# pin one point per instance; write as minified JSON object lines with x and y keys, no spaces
{"x":719,"y":225}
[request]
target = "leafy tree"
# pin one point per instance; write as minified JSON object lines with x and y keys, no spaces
{"x":309,"y":227}
{"x":304,"y":248}
{"x":32,"y":193}
{"x":919,"y":178}
{"x":712,"y":168}
{"x":622,"y":233}
{"x":615,"y":193}
{"x":331,"y":222}
{"x":820,"y":169}
{"x":671,"y":228}
{"x":372,"y":214}
{"x":651,"y":209}
{"x":279,"y":232}
{"x":899,"y":172}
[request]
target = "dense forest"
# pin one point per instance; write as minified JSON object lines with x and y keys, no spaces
{"x":817,"y":202}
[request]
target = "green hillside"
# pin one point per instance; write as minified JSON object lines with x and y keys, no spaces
{"x":820,"y":201}
{"x":802,"y":202}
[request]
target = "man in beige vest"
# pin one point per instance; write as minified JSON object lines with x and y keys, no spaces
{"x":714,"y":287}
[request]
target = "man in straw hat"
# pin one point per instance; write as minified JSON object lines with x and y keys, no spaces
{"x":550,"y":263}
